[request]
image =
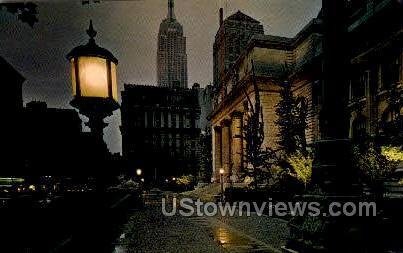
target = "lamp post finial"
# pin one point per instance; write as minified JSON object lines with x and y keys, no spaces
{"x":91,"y":32}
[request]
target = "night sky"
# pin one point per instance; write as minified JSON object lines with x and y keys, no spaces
{"x":129,"y":30}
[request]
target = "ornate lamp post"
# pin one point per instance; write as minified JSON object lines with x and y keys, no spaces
{"x":94,"y":82}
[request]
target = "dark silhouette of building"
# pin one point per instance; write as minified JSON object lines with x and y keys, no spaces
{"x":55,"y":145}
{"x":206,"y":96}
{"x":171,"y":54}
{"x":12,"y":82}
{"x":231,"y":40}
{"x":44,"y":141}
{"x":11,"y":106}
{"x":160,"y":130}
{"x":376,"y":73}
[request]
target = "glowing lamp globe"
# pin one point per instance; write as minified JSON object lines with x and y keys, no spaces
{"x":94,"y":81}
{"x":93,"y":76}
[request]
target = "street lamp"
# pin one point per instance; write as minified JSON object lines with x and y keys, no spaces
{"x":138,"y":172}
{"x":94,"y":82}
{"x":222,"y":184}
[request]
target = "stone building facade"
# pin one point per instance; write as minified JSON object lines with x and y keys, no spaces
{"x":274,"y":60}
{"x":375,"y":74}
{"x":171,"y":53}
{"x":160,"y":130}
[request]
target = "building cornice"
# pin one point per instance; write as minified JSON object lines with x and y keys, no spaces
{"x":245,"y":85}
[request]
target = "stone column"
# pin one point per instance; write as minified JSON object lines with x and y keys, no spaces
{"x":237,"y":145}
{"x":217,"y":153}
{"x":226,"y":149}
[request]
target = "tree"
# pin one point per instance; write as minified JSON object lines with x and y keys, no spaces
{"x":26,"y":12}
{"x":260,"y":159}
{"x":301,"y":125}
{"x":291,"y":121}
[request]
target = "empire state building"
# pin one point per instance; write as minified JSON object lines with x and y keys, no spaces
{"x":171,"y":54}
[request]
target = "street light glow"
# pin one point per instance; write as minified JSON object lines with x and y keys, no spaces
{"x":93,"y":76}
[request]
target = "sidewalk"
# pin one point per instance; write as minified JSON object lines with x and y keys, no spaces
{"x":150,"y":231}
{"x":269,"y":230}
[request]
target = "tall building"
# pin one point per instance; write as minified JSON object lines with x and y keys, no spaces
{"x":12,"y":83}
{"x":375,"y":99}
{"x":271,"y":55}
{"x":160,"y":130}
{"x":375,"y":83}
{"x":206,"y":96}
{"x":11,"y":105}
{"x":171,"y":54}
{"x":231,"y":40}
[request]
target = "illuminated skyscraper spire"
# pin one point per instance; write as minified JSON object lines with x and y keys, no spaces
{"x":171,"y":54}
{"x":171,"y":9}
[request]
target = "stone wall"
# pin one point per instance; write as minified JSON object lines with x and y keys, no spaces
{"x":269,"y":101}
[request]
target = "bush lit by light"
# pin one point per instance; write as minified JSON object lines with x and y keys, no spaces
{"x":393,"y":154}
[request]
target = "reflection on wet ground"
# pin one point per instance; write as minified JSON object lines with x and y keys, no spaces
{"x":231,"y":239}
{"x":187,"y":234}
{"x":148,"y":230}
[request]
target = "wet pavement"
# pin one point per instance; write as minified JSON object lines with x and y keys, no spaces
{"x":232,"y":238}
{"x":148,"y":230}
{"x":269,"y":231}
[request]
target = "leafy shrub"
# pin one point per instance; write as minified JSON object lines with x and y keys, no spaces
{"x":392,"y":154}
{"x":185,"y":180}
{"x":277,"y":176}
{"x":302,"y":167}
{"x":373,"y":165}
{"x":312,"y":225}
